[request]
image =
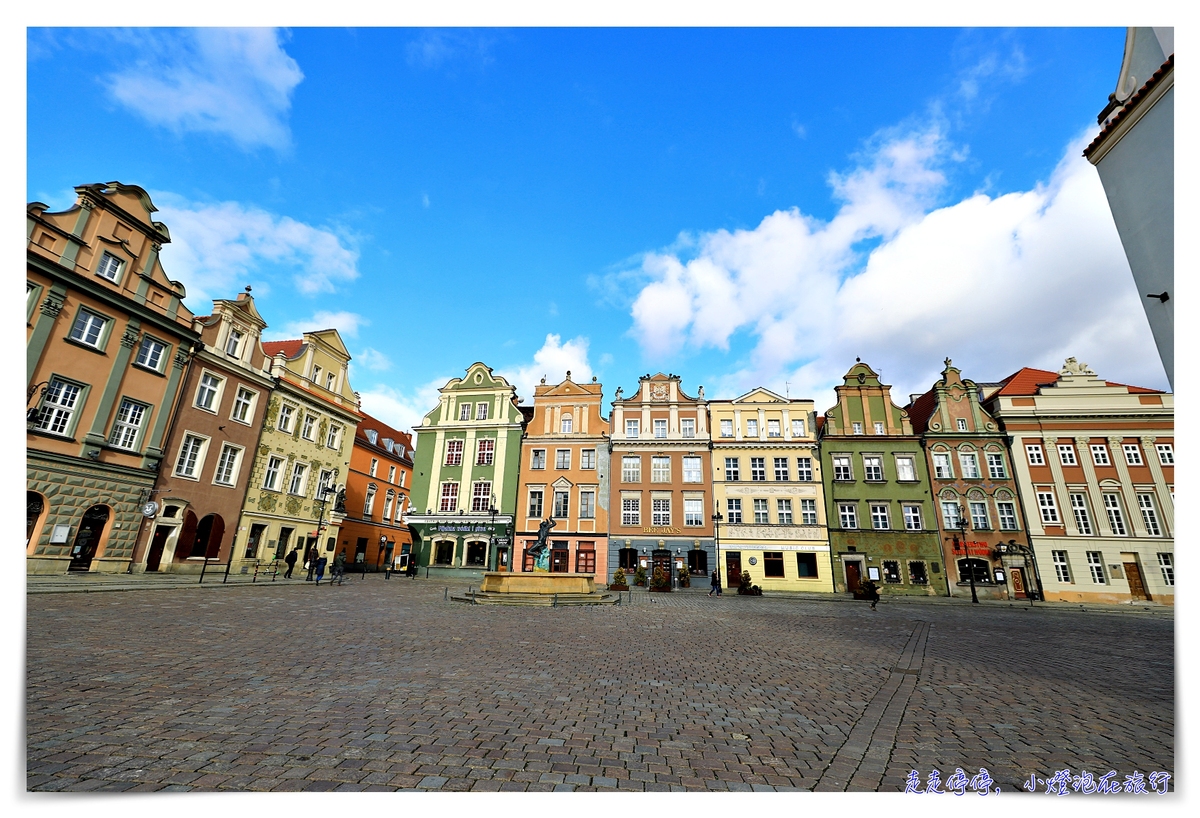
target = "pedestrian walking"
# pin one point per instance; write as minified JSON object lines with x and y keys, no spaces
{"x":290,"y":559}
{"x":321,"y":563}
{"x":411,"y":570}
{"x":715,"y":583}
{"x":872,"y":593}
{"x":339,"y":567}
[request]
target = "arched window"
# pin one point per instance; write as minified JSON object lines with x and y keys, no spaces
{"x":566,"y":424}
{"x":87,"y":539}
{"x":209,"y":532}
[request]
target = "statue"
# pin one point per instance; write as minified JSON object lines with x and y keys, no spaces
{"x":339,"y":505}
{"x":539,"y":551}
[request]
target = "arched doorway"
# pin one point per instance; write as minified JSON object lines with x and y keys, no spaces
{"x":87,"y":539}
{"x":209,"y":532}
{"x":35,"y":504}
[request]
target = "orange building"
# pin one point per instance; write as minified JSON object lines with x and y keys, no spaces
{"x":564,"y":478}
{"x":377,"y":490}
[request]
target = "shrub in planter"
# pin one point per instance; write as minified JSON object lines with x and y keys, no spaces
{"x":639,"y":576}
{"x":685,"y":578}
{"x":746,"y":588}
{"x":660,"y":580}
{"x":618,"y":581}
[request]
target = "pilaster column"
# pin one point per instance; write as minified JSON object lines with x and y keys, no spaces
{"x":154,"y":449}
{"x":1166,"y":505}
{"x":1083,"y":451}
{"x":52,"y":305}
{"x":1024,"y":483}
{"x":1050,"y":445}
{"x":129,"y":339}
{"x":75,"y":240}
{"x":1131,"y":503}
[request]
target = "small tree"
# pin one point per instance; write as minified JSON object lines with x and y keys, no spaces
{"x":639,"y":576}
{"x":660,"y":579}
{"x":685,"y":577}
{"x":618,"y":577}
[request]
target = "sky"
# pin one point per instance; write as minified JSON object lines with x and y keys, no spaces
{"x":739,"y":206}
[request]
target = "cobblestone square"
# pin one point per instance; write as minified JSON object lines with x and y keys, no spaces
{"x":382,"y":685}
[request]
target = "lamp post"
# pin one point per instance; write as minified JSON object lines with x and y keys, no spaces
{"x":717,"y":518}
{"x":1015,"y":547}
{"x":492,"y":534}
{"x":323,"y":492}
{"x":962,"y":525}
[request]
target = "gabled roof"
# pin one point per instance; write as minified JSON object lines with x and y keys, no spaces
{"x":290,"y":349}
{"x":1027,"y":381}
{"x":920,"y":410}
{"x":370,"y":422}
{"x":1132,"y":103}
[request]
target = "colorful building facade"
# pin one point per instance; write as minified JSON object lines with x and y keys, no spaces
{"x":467,"y":463}
{"x":108,"y":341}
{"x":564,"y":478}
{"x":373,"y":531}
{"x":767,"y":489}
{"x":877,"y":496}
{"x":1095,"y":464}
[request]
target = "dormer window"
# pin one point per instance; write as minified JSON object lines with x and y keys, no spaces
{"x":388,"y":444}
{"x":109,"y":267}
{"x":234,"y":343}
{"x":372,"y":436}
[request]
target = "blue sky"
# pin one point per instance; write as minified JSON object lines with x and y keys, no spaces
{"x":737,"y":206}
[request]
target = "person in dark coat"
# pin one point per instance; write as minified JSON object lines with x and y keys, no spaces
{"x":290,"y":559}
{"x":714,"y":583}
{"x":321,"y":563}
{"x":339,"y":568}
{"x":872,"y":592}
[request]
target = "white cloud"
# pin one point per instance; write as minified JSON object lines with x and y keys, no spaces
{"x":1024,"y":279}
{"x":217,"y":248}
{"x":346,"y":323}
{"x":432,"y":49}
{"x":552,"y":361}
{"x":401,"y":410}
{"x":373,"y":359}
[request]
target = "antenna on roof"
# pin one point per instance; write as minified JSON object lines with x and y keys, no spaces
{"x":787,"y":394}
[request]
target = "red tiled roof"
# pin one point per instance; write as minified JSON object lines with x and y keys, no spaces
{"x":920,"y":410}
{"x":1129,"y":105}
{"x":1027,"y":381}
{"x":370,"y":422}
{"x":289,"y":348}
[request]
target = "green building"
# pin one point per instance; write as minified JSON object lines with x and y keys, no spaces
{"x":464,"y":491}
{"x":878,"y":505}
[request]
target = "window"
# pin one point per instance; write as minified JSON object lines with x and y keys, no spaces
{"x":857,"y":427}
{"x":454,"y":452}
{"x":587,"y":459}
{"x":808,"y":512}
{"x":481,"y":411}
{"x":758,"y":469}
{"x":585,"y":560}
{"x":879,"y":517}
{"x":1062,"y":569}
{"x":329,"y":379}
{"x":905,"y":470}
{"x":299,"y":479}
{"x":660,"y":429}
{"x":1149,"y":515}
{"x":1116,"y":519}
{"x":631,"y":428}
{"x":234,"y":342}
{"x":187,"y":464}
{"x":88,"y":328}
{"x":449,"y":499}
{"x":781,"y":470}
{"x":306,"y":431}
{"x":485,"y":451}
{"x":841,"y":467}
{"x":912,"y":518}
{"x":631,"y":469}
{"x":587,"y":505}
{"x":692,"y":471}
{"x":1033,"y":451}
{"x":806,"y":564}
{"x":464,"y":411}
{"x":687,"y":427}
{"x":1066,"y":454}
{"x":961,"y":424}
{"x":917,"y":574}
{"x":1048,"y":508}
{"x":1100,"y":454}
{"x":58,"y":407}
{"x":732,"y":470}
{"x":979,"y":517}
{"x":797,"y":428}
{"x":878,"y":427}
{"x":631,"y":511}
{"x":873,"y":468}
{"x":891,"y":571}
{"x":726,"y":428}
{"x":693,"y":511}
{"x":733,"y":510}
{"x":206,"y":394}
{"x":127,"y":425}
{"x":1096,"y":567}
{"x":1133,"y":455}
{"x":271,"y":477}
{"x":562,"y":501}
{"x":697,"y":562}
{"x":565,"y":425}
{"x":661,"y":511}
{"x":401,"y":483}
{"x":150,"y":354}
{"x":848,"y":515}
{"x":951,"y":514}
{"x":773,"y":429}
{"x":374,"y":470}
{"x":562,"y":458}
{"x":628,"y":558}
{"x":761,"y":514}
{"x":387,"y":505}
{"x":751,"y":428}
{"x":1008,"y":515}
{"x":481,"y":495}
{"x":109,"y":267}
{"x":1166,"y":564}
{"x":285,"y":418}
{"x":333,"y":439}
{"x":1083,"y":520}
{"x":660,"y":469}
{"x":970,"y":465}
{"x":242,"y":404}
{"x":995,"y":464}
{"x":942,"y":469}
{"x":773,"y":563}
{"x":535,"y":503}
{"x":783,"y":511}
{"x":804,"y":469}
{"x":974,"y":569}
{"x":324,"y":482}
{"x":316,"y":372}
{"x":1166,"y":453}
{"x":537,"y":459}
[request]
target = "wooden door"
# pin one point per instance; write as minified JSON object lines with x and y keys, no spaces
{"x":733,"y":569}
{"x":1137,"y":589}
{"x":88,"y":538}
{"x":560,"y":562}
{"x":853,"y":576}
{"x":1018,"y":582}
{"x":156,"y":547}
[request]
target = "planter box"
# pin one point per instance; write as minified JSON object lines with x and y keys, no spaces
{"x":618,"y":587}
{"x":661,"y":590}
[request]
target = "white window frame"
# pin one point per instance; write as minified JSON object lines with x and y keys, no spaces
{"x":762,"y":511}
{"x":1006,"y":510}
{"x":1062,"y":566}
{"x":587,"y":458}
{"x":733,"y":510}
{"x":566,"y":425}
{"x":693,"y":511}
{"x":872,"y":468}
{"x":1166,"y":453}
{"x":912,"y":517}
{"x":587,"y":504}
{"x":537,"y":459}
{"x":878,"y":427}
{"x":1133,"y":454}
{"x":687,"y":427}
{"x":309,"y":426}
{"x":245,"y":399}
{"x":1166,"y":564}
{"x":391,"y":474}
{"x":1100,"y":454}
{"x":562,"y":459}
{"x":210,"y":390}
{"x":1149,"y":514}
{"x":85,"y":321}
{"x":55,"y":415}
{"x":537,"y":496}
{"x":1116,"y":516}
{"x":147,"y":351}
{"x":783,"y":510}
{"x":1066,"y":454}
{"x":758,"y":469}
{"x":943,"y":466}
{"x":481,"y":496}
{"x":369,"y":501}
{"x":733,"y":470}
{"x":198,"y":446}
{"x":1083,"y":516}
{"x":979,"y":515}
{"x":1048,"y":508}
{"x":881,"y":519}
{"x":233,"y":343}
{"x":631,"y":511}
{"x":287,"y":414}
{"x":333,"y":438}
{"x":299,"y":472}
{"x":906,"y":469}
{"x":660,"y":469}
{"x":848,"y":516}
{"x":995,"y":464}
{"x":808,"y":511}
{"x":1095,"y":563}
{"x":782,"y":473}
{"x":373,"y":470}
{"x":631,"y":468}
{"x":843,"y":468}
{"x":464,"y":411}
{"x":117,"y":266}
{"x":632,"y":427}
{"x":127,"y":424}
{"x":857,"y":427}
{"x":797,"y":427}
{"x":660,"y":429}
{"x":448,"y":497}
{"x":660,"y":511}
{"x":481,"y":410}
{"x":969,"y":462}
{"x":1033,"y":453}
{"x":960,"y":424}
{"x":272,"y":471}
{"x":804,"y":472}
{"x":726,"y":427}
{"x":751,"y":427}
{"x":454,"y":451}
{"x":388,"y":499}
{"x":693,"y":469}
{"x":951,"y":515}
{"x":229,"y":461}
{"x":485,"y":451}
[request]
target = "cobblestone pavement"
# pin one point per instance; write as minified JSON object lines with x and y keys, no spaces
{"x":381,"y":685}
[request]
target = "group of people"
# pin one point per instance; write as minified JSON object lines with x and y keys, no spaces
{"x":337,"y":570}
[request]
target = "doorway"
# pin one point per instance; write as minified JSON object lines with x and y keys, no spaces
{"x":443,"y":553}
{"x":87,"y":539}
{"x":154,"y":557}
{"x":1133,"y":573}
{"x":502,"y":558}
{"x":34,"y":506}
{"x":1018,"y":582}
{"x":254,"y":540}
{"x":560,"y":561}
{"x":853,"y":575}
{"x":733,"y":569}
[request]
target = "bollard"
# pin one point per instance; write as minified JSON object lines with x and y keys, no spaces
{"x":554,"y":602}
{"x":445,"y":594}
{"x":473,"y":596}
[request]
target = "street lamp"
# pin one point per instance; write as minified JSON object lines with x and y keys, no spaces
{"x":962,"y":525}
{"x":1014,"y":547}
{"x":492,"y":532}
{"x":717,"y":518}
{"x":323,"y":493}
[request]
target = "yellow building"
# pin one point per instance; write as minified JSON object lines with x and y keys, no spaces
{"x":768,"y":494}
{"x":307,"y":437}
